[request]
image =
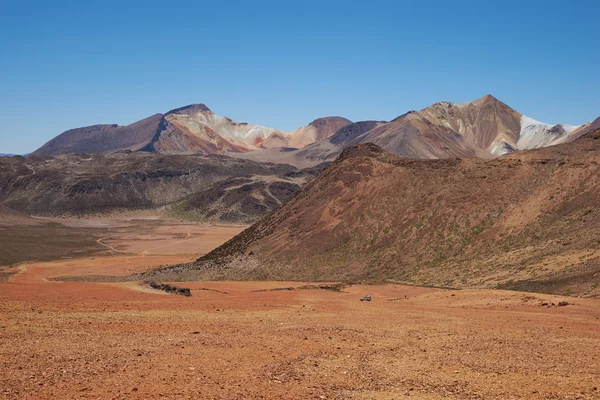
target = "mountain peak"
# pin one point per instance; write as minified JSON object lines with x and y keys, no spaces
{"x":319,"y":129}
{"x":360,"y":150}
{"x":189,"y":109}
{"x":320,"y":122}
{"x":488,"y":98}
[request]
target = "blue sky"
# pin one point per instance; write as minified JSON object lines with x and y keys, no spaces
{"x":67,"y":64}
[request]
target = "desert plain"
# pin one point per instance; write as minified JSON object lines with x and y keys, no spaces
{"x":265,"y":340}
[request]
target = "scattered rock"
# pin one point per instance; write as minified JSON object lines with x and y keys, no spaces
{"x":550,"y":304}
{"x":170,"y":288}
{"x":213,"y":290}
{"x":337,"y":287}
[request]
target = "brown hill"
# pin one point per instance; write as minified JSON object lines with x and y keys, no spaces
{"x":528,"y":220}
{"x":327,"y":126}
{"x":96,"y":183}
{"x":328,"y":150}
{"x":240,"y":200}
{"x":481,"y":123}
{"x":103,"y":138}
{"x":584,"y":130}
{"x":485,"y":128}
{"x":413,"y":136}
{"x":317,"y":130}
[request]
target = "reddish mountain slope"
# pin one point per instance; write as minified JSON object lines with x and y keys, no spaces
{"x":584,"y":130}
{"x":104,"y":138}
{"x":528,"y":220}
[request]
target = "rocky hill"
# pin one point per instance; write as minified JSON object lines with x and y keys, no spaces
{"x":98,"y":183}
{"x":526,"y":221}
{"x":241,"y":200}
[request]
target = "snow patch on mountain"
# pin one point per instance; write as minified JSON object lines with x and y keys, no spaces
{"x":535,"y":134}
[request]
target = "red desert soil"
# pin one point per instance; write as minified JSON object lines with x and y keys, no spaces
{"x":78,"y":340}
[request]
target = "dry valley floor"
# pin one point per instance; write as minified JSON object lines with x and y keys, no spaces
{"x":243,"y":340}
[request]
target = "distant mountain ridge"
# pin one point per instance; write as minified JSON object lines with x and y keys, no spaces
{"x":483,"y":128}
{"x":187,"y":130}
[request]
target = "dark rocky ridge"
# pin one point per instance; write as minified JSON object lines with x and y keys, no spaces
{"x":354,"y":130}
{"x":189,"y":109}
{"x":97,"y":183}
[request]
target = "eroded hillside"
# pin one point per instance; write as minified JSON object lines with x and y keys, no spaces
{"x":527,"y":220}
{"x":84,"y":184}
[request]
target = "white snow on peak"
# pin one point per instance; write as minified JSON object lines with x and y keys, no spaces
{"x":535,"y":134}
{"x":528,"y":121}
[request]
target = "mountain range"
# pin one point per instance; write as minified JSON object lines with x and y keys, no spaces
{"x":187,"y":130}
{"x":482,"y":128}
{"x":526,"y":221}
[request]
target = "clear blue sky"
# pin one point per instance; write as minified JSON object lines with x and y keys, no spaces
{"x":66,"y":64}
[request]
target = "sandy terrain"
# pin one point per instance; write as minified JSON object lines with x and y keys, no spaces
{"x":134,"y":234}
{"x":77,"y":340}
{"x":172,"y":239}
